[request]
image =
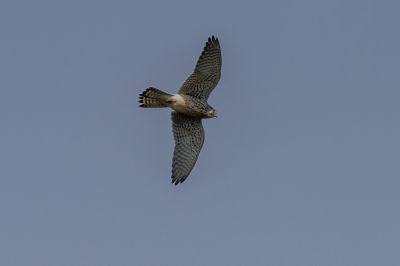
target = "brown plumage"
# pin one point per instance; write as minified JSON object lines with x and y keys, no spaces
{"x":190,"y":106}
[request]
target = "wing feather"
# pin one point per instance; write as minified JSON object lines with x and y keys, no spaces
{"x":189,"y":138}
{"x":207,"y":72}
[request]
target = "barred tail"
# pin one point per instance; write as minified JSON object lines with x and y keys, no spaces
{"x":152,"y":97}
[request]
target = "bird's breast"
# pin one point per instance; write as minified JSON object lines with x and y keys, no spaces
{"x":185,"y":104}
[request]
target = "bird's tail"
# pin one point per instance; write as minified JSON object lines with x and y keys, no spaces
{"x":152,"y":97}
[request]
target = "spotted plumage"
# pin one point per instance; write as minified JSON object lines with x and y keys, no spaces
{"x":190,"y":107}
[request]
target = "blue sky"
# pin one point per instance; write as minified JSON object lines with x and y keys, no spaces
{"x":301,"y":167}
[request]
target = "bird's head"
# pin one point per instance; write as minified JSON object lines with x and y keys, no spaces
{"x":211,"y":113}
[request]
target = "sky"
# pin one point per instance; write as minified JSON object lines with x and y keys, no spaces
{"x":301,"y":167}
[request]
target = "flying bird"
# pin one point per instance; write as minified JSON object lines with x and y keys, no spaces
{"x":189,"y":107}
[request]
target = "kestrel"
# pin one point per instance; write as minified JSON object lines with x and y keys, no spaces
{"x":190,"y":107}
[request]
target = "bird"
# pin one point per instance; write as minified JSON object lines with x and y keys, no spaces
{"x":189,"y":105}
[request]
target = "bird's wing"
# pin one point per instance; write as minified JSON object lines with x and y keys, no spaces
{"x":206,"y":73}
{"x":189,"y":138}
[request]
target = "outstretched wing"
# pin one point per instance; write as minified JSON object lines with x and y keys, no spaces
{"x":189,"y":138}
{"x":206,"y":73}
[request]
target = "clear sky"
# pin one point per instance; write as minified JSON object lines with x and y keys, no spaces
{"x":301,"y":167}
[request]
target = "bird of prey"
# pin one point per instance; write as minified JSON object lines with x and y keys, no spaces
{"x":189,"y":106}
